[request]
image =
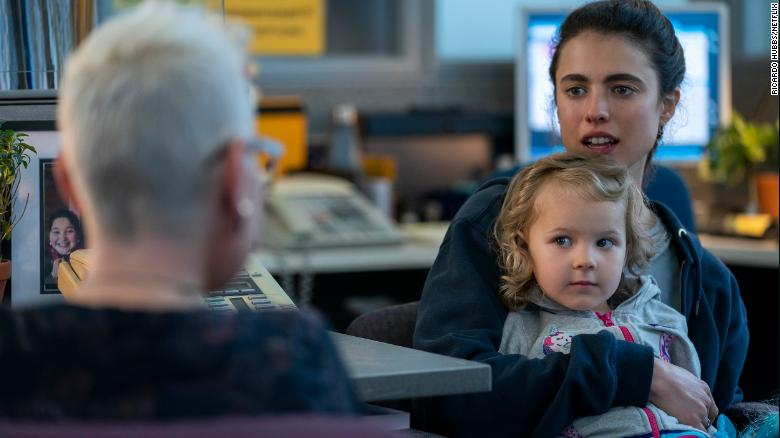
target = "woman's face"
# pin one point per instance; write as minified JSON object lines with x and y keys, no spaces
{"x":608,"y":98}
{"x":62,"y":236}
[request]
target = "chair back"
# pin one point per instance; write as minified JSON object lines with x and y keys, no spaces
{"x":392,"y":324}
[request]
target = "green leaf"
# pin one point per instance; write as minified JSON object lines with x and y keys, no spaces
{"x":15,"y":154}
{"x":739,"y":148}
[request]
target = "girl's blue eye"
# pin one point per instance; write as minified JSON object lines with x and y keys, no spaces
{"x":575,"y":91}
{"x":623,"y":90}
{"x":562,"y":241}
{"x":605,"y":243}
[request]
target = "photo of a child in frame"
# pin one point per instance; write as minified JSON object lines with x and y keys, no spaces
{"x":61,"y":231}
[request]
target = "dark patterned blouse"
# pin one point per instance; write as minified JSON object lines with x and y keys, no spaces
{"x":71,"y":362}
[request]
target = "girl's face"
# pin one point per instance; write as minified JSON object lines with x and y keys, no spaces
{"x":608,"y":98}
{"x":577,"y":247}
{"x":62,"y":236}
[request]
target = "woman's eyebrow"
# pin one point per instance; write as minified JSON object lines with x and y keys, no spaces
{"x":575,"y":77}
{"x":618,"y":77}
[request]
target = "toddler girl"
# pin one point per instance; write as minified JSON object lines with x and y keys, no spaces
{"x":573,"y":241}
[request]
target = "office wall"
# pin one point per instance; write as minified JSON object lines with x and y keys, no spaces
{"x":396,"y":69}
{"x":419,"y":80}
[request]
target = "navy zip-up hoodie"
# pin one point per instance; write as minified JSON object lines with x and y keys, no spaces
{"x":461,"y":315}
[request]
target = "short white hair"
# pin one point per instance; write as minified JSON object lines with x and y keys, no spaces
{"x":148,"y":99}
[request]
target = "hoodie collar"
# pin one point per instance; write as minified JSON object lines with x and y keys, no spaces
{"x":681,"y":240}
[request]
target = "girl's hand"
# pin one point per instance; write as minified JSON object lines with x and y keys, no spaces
{"x":682,"y":395}
{"x":55,"y":266}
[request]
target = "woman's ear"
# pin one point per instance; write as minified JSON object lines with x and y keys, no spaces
{"x":669,"y":103}
{"x":228,"y":183}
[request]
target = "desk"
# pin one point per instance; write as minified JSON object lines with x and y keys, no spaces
{"x":408,"y":255}
{"x":423,"y":241}
{"x":388,"y":372}
{"x":742,"y":251}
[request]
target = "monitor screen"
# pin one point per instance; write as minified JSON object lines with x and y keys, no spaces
{"x":705,"y":91}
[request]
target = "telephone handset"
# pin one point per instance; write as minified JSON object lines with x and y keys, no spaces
{"x":252,"y":288}
{"x":311,"y":211}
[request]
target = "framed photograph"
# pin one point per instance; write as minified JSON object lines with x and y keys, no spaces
{"x":61,"y":232}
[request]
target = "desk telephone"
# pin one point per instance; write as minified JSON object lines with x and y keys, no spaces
{"x":312,"y":211}
{"x":253,"y":288}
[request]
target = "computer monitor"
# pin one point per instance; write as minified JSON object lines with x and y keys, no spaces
{"x":702,"y":29}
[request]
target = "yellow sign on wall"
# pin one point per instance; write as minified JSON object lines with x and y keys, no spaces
{"x":282,"y":27}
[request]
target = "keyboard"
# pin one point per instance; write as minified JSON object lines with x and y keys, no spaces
{"x":251,"y":289}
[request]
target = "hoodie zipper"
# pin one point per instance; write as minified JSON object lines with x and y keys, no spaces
{"x":682,"y":285}
{"x":683,"y":235}
{"x":606,"y":319}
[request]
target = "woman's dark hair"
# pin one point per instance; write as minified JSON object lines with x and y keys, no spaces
{"x":74,"y":221}
{"x":640,"y":22}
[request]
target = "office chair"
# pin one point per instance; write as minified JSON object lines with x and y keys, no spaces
{"x":392,"y":324}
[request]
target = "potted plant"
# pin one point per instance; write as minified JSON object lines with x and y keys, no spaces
{"x":15,"y":154}
{"x":746,"y":153}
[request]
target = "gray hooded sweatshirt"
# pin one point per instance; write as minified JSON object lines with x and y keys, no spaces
{"x":642,"y":318}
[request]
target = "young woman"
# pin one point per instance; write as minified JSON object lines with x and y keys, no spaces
{"x":65,"y":236}
{"x":616,"y":70}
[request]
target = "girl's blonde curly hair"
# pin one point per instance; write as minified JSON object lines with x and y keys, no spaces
{"x":595,"y":177}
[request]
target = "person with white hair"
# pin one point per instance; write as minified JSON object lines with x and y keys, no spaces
{"x":157,"y":127}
